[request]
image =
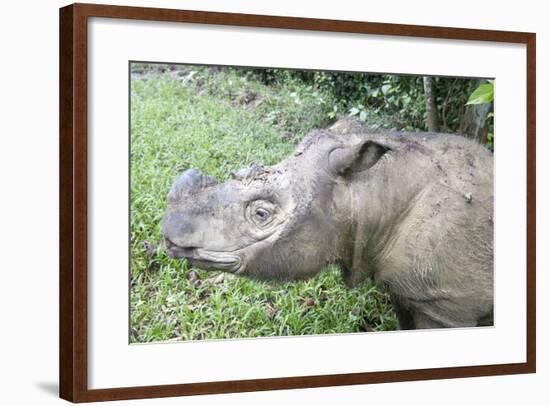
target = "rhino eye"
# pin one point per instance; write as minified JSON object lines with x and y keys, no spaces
{"x":260,"y":213}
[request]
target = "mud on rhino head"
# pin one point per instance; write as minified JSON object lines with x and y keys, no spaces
{"x":281,"y":222}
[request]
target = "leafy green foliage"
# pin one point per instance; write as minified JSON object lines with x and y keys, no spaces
{"x":386,"y":101}
{"x":218,"y":121}
{"x":483,"y":94}
{"x":392,"y":99}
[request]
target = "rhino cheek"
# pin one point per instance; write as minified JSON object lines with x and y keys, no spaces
{"x":267,"y":263}
{"x":297,"y":256}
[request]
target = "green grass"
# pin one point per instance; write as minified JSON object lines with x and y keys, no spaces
{"x":218,"y":122}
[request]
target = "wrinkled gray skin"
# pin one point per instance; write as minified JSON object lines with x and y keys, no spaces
{"x":412,"y":211}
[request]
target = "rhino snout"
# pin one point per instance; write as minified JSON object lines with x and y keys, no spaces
{"x":176,"y":230}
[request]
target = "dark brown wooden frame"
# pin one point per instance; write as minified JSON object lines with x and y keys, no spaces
{"x":73,"y":201}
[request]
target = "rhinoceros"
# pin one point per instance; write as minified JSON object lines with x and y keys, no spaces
{"x":412,"y":211}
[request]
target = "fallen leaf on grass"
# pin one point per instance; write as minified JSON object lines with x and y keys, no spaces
{"x":194,"y":278}
{"x":364,"y":327}
{"x":217,"y":279}
{"x":150,"y":249}
{"x":271,"y":310}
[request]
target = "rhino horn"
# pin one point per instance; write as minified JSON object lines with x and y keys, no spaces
{"x":190,"y":182}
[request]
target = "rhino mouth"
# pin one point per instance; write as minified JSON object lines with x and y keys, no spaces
{"x":203,"y":258}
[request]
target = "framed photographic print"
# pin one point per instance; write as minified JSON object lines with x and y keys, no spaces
{"x":256,"y":202}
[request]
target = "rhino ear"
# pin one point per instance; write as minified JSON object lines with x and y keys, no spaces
{"x":355,"y":158}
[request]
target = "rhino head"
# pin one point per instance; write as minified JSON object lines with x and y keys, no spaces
{"x":281,"y":222}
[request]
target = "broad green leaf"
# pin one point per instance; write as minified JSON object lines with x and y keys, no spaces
{"x":354,"y":111}
{"x":483,"y":94}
